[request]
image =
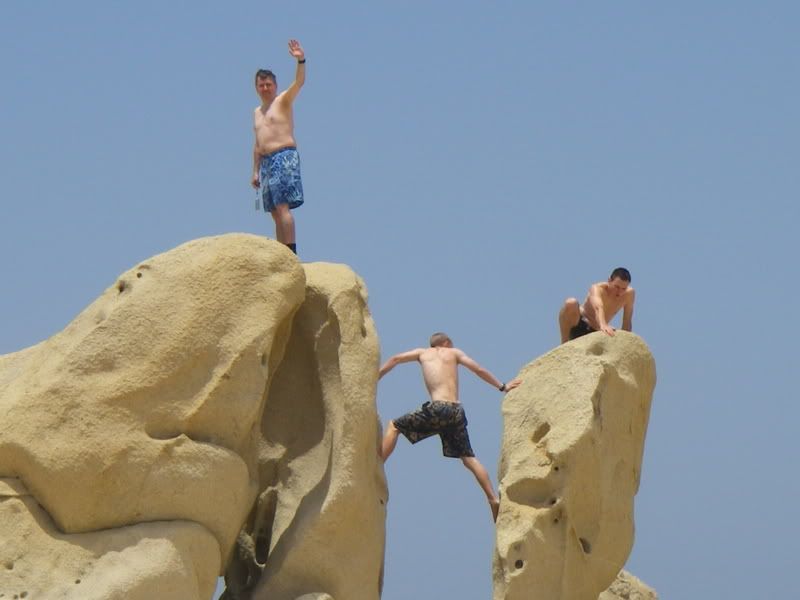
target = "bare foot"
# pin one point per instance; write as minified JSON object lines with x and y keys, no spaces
{"x":494,"y":504}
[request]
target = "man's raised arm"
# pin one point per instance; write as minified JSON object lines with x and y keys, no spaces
{"x":399,"y":358}
{"x":296,"y":50}
{"x":465,"y":360}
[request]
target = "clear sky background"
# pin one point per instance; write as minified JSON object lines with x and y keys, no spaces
{"x":475,"y":163}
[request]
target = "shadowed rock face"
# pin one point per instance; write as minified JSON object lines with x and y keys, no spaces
{"x":144,"y":409}
{"x":573,"y":440}
{"x":317,"y":530}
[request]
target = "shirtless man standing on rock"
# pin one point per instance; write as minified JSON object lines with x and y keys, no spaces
{"x":276,"y":163}
{"x":602,"y":303}
{"x":443,"y":415}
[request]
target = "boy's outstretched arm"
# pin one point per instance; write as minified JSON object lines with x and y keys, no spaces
{"x":399,"y":358}
{"x":473,"y":366}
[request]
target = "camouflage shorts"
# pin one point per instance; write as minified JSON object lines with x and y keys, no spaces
{"x":445,"y":419}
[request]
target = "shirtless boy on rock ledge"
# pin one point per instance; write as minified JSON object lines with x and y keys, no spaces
{"x":604,"y":300}
{"x":443,"y":415}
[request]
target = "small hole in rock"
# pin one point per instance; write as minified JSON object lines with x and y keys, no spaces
{"x":264,"y":359}
{"x":587,"y":547}
{"x":9,"y":565}
{"x":121,"y":286}
{"x":596,"y":349}
{"x":23,"y":595}
{"x":553,"y":500}
{"x":556,"y":468}
{"x":77,"y":581}
{"x":540,"y":432}
{"x":519,"y":564}
{"x":138,"y":275}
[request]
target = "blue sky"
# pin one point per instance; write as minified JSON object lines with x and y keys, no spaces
{"x":475,"y":163}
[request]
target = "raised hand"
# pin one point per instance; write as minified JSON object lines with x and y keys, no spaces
{"x":296,"y":50}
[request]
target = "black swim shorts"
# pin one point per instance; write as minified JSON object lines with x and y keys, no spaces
{"x":582,"y":328}
{"x":445,"y":419}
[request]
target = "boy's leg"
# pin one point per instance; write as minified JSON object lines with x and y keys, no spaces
{"x":482,"y":476}
{"x":389,"y":440}
{"x":568,"y":317}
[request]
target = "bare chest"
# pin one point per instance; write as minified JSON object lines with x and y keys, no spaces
{"x":611,"y":305}
{"x":271,"y":118}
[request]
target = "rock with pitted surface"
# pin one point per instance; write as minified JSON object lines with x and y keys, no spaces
{"x":163,"y":559}
{"x":128,"y":441}
{"x":573,"y":439}
{"x":317,"y":530}
{"x":628,"y":587}
{"x":218,"y":386}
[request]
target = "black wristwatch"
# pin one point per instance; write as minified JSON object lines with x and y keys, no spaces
{"x":502,"y":388}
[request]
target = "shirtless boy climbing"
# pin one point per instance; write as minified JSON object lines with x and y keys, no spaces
{"x":443,"y":415}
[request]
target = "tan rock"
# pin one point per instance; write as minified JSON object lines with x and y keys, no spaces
{"x":318,"y":528}
{"x":571,"y":458}
{"x":145,"y":409}
{"x":168,"y":559}
{"x":628,"y":587}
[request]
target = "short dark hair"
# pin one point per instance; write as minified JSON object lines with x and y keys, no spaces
{"x":622,"y":273}
{"x":264,"y":74}
{"x":439,"y":338}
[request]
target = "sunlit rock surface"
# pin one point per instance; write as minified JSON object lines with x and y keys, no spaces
{"x":628,"y":587}
{"x":214,"y":411}
{"x":317,"y":531}
{"x":573,"y":439}
{"x":129,"y":441}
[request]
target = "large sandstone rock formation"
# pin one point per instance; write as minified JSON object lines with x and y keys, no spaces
{"x":315,"y":527}
{"x":214,"y":411}
{"x":132,"y":443}
{"x":162,"y":559}
{"x":572,"y":452}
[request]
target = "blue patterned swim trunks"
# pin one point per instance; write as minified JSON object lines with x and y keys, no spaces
{"x":279,"y":177}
